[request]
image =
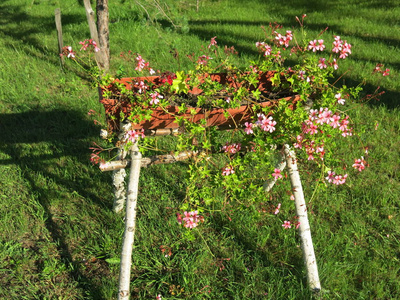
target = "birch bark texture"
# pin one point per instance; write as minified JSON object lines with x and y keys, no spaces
{"x":130,"y":224}
{"x":101,"y":58}
{"x":304,"y":228}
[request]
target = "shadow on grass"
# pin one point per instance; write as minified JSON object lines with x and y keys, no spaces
{"x":30,"y":27}
{"x":61,"y":134}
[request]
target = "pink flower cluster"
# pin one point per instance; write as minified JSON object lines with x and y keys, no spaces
{"x":190,"y":219}
{"x":155,"y":98}
{"x":325,"y":116}
{"x":213,"y":42}
{"x":266,"y":124}
{"x":264,"y":48}
{"x":142,"y":65}
{"x":336,"y":179}
{"x":359,"y":164}
{"x":231,"y":148}
{"x":203,"y":60}
{"x":341,"y":47}
{"x":228,"y":170}
{"x":378,"y":69}
{"x":310,"y":147}
{"x":141,"y":86}
{"x":89,"y":42}
{"x":67,"y":51}
{"x":316,"y":45}
{"x":288,"y":224}
{"x":284,"y":39}
{"x":133,"y":135}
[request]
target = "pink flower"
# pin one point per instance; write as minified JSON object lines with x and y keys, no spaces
{"x":359,"y":164}
{"x":316,"y":45}
{"x":94,"y":158}
{"x":89,"y":42}
{"x":71,"y":54}
{"x":378,"y":68}
{"x":386,"y":72}
{"x":284,"y":39}
{"x":336,"y":179}
{"x":277,"y":209}
{"x":339,"y":179}
{"x":266,"y":124}
{"x":334,"y":64}
{"x":339,"y":98}
{"x":179,"y":218}
{"x":155,"y":98}
{"x":309,"y":127}
{"x":213,"y":42}
{"x":330,"y":177}
{"x":133,"y":135}
{"x":228,"y":171}
{"x":313,"y":114}
{"x":297,"y":224}
{"x":299,"y":140}
{"x":337,"y":44}
{"x":233,"y":148}
{"x":277,"y":174}
{"x":322,"y":64}
{"x":343,"y":127}
{"x":335,"y":121}
{"x":249,"y":128}
{"x":191,"y":219}
{"x":292,"y":197}
{"x":158,"y":297}
{"x":324,"y":116}
{"x":263,"y":47}
{"x":286,"y":225}
{"x":142,"y":86}
{"x":346,"y":50}
{"x":141,"y":63}
{"x":203,"y":60}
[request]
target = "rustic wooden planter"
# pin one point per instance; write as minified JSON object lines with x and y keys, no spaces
{"x":165,"y":118}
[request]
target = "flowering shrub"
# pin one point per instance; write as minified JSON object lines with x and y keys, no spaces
{"x":305,"y":110}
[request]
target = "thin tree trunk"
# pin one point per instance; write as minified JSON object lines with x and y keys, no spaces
{"x":130,"y":223}
{"x":103,"y":32}
{"x":57,"y":15}
{"x":304,"y":228}
{"x":100,"y":55}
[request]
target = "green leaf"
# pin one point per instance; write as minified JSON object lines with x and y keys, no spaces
{"x":179,"y":84}
{"x":113,"y":260}
{"x":276,"y":80}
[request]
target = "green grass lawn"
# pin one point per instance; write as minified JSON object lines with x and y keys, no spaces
{"x":59,"y":238}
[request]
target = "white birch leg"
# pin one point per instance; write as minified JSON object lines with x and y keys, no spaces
{"x":130,"y":223}
{"x":118,"y":176}
{"x":304,"y":228}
